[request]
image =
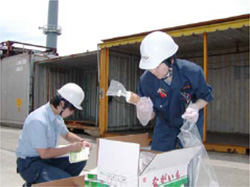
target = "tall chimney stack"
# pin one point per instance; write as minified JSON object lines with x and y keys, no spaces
{"x":52,"y":30}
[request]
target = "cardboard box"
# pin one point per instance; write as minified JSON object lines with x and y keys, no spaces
{"x":72,"y":181}
{"x":119,"y":158}
{"x":88,"y":180}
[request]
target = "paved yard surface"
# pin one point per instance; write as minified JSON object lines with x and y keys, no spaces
{"x":231,"y":169}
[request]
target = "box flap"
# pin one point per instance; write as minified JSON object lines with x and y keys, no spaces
{"x":118,"y":162}
{"x":171,"y":159}
{"x":72,"y":181}
{"x":141,"y":139}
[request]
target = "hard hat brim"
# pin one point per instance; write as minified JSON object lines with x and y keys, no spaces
{"x":78,"y":107}
{"x":147,"y":65}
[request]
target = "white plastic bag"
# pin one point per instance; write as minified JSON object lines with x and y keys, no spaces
{"x":116,"y":89}
{"x":200,"y":171}
{"x":144,"y":105}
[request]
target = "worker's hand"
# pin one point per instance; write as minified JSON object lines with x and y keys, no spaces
{"x":86,"y":144}
{"x":132,"y":98}
{"x":191,"y":114}
{"x":144,"y":109}
{"x":76,"y":146}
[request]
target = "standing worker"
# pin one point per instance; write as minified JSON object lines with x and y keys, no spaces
{"x":171,"y":89}
{"x":37,"y":152}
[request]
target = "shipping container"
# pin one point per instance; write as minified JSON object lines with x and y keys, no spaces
{"x":29,"y":79}
{"x":220,"y":46}
{"x":82,"y":69}
{"x":16,"y":66}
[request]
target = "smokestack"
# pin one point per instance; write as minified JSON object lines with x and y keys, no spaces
{"x":52,"y":30}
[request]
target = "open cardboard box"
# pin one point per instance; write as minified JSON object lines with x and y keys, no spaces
{"x":119,"y":158}
{"x":72,"y":181}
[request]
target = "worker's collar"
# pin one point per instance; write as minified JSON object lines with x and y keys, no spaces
{"x":170,"y":73}
{"x":51,"y":114}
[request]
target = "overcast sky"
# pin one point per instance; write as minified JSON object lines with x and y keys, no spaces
{"x":86,"y":22}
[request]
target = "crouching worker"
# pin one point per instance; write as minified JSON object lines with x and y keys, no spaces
{"x":37,"y":154}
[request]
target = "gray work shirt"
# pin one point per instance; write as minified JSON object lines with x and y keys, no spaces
{"x":41,"y":130}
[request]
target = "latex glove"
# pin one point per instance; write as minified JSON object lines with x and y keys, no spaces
{"x":191,"y":114}
{"x":144,"y":110}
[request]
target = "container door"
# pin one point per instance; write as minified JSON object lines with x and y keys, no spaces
{"x":15,"y":89}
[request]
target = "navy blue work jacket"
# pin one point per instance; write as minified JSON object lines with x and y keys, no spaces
{"x":170,"y":101}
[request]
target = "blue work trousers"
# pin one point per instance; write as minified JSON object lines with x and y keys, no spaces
{"x":165,"y":136}
{"x":36,"y":170}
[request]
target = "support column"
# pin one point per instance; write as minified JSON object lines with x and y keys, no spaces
{"x":103,"y":99}
{"x":205,"y":73}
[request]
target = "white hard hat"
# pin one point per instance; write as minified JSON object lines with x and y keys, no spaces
{"x":156,"y":47}
{"x":73,"y":94}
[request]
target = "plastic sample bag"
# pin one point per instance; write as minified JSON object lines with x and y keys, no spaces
{"x":200,"y":171}
{"x":116,"y":89}
{"x":144,"y":105}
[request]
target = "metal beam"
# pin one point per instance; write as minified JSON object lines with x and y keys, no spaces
{"x":103,"y":99}
{"x":205,"y":74}
{"x":187,"y":31}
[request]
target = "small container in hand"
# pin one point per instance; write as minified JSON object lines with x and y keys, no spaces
{"x":132,"y":98}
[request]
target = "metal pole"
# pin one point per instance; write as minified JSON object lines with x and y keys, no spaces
{"x":205,"y":73}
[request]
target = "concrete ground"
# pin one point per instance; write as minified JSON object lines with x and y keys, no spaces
{"x":231,"y":169}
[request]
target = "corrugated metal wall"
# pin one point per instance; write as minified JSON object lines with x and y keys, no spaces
{"x":229,"y":76}
{"x":15,"y":89}
{"x":123,"y":68}
{"x":227,"y":73}
{"x":49,"y":78}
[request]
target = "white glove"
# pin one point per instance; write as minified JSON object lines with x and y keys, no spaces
{"x":191,"y":114}
{"x":144,"y":110}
